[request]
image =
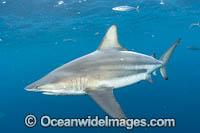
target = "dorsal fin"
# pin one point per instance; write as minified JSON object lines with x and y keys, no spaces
{"x":110,"y":40}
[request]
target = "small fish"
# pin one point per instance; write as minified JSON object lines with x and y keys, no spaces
{"x":69,"y":40}
{"x":60,"y":2}
{"x":192,"y":48}
{"x":4,"y":2}
{"x":96,"y":33}
{"x":125,"y":8}
{"x":162,"y":2}
{"x":195,"y":25}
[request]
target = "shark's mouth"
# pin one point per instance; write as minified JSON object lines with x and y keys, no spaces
{"x":54,"y":93}
{"x":34,"y":90}
{"x":62,"y":92}
{"x":47,"y":92}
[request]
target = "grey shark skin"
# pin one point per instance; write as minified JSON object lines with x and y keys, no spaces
{"x":109,"y":67}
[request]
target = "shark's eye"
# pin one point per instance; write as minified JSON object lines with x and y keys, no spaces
{"x":37,"y":87}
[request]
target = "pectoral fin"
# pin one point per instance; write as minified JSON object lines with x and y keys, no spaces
{"x":105,"y":99}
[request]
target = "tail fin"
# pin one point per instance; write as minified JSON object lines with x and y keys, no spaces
{"x":137,"y":8}
{"x":165,"y":58}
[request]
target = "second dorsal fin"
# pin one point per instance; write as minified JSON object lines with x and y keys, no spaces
{"x":110,"y":40}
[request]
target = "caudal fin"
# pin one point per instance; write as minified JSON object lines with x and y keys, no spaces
{"x":165,"y":58}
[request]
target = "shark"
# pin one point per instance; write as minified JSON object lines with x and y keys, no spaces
{"x":98,"y":73}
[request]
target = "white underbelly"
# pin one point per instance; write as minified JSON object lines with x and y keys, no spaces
{"x":125,"y":81}
{"x":64,"y":92}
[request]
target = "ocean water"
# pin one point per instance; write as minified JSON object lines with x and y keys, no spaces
{"x":37,"y":36}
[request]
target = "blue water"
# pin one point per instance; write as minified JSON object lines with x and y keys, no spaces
{"x":37,"y":36}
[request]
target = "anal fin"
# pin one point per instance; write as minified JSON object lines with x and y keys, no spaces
{"x":149,"y":79}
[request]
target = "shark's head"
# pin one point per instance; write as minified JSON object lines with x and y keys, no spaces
{"x":39,"y":86}
{"x":36,"y":87}
{"x":32,"y":87}
{"x":48,"y":84}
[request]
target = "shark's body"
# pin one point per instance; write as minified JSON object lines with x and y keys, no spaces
{"x":98,"y":73}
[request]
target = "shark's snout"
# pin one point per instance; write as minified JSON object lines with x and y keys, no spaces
{"x":32,"y":87}
{"x":36,"y":86}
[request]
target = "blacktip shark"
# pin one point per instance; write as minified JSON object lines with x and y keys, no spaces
{"x":109,"y":67}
